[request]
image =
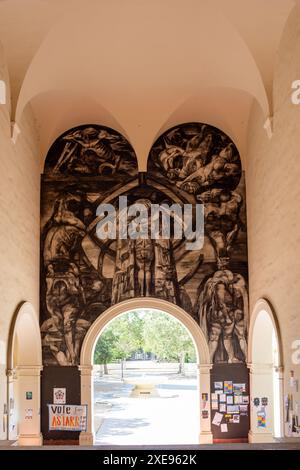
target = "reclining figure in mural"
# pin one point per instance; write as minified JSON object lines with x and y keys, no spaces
{"x":194,"y":168}
{"x":64,"y":330}
{"x":95,"y":153}
{"x":223,"y":316}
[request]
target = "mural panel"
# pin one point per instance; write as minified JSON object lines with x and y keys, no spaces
{"x":82,"y":274}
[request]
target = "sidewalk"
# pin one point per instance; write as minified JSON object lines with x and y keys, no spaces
{"x":169,"y":419}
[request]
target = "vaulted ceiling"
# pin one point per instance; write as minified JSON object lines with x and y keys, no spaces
{"x":141,"y":66}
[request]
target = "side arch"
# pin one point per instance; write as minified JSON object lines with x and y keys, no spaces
{"x":24,"y":335}
{"x":24,"y":359}
{"x":265,"y":356}
{"x":262,"y":305}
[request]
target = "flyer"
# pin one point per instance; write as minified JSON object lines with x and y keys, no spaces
{"x":217,"y":419}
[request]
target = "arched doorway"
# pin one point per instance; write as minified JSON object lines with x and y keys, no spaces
{"x":145,"y":381}
{"x":266,"y":380}
{"x":87,"y":351}
{"x":24,"y":368}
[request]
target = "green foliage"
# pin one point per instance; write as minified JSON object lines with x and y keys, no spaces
{"x":120,"y":339}
{"x":104,"y":351}
{"x":167,"y":338}
{"x":150,"y":331}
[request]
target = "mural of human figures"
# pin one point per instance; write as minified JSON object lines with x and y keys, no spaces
{"x":91,"y":151}
{"x":82,"y":274}
{"x":202,"y":161}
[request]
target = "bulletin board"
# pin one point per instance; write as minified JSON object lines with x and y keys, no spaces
{"x":230,"y":401}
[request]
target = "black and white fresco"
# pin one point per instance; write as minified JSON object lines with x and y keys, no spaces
{"x":91,"y":151}
{"x":82,"y":275}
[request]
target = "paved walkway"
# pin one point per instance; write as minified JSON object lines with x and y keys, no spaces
{"x":168,"y":419}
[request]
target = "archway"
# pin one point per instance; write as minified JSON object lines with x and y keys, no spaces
{"x":24,"y":368}
{"x":266,"y":379}
{"x":87,"y":352}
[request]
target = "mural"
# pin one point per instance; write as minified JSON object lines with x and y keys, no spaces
{"x":82,"y":274}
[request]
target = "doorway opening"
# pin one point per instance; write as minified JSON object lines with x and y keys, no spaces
{"x":24,"y":368}
{"x":145,"y":381}
{"x":86,"y":367}
{"x":266,"y":375}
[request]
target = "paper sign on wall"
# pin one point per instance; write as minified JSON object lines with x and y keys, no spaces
{"x":261,"y":420}
{"x":67,"y":417}
{"x":217,"y":419}
{"x":224,"y":427}
{"x":59,"y":396}
{"x":227,"y":387}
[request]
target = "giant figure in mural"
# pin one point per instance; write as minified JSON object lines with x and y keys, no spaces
{"x":82,"y":275}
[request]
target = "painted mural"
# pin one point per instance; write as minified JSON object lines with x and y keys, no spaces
{"x":82,"y":274}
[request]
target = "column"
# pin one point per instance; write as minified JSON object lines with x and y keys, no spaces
{"x":261,"y":385}
{"x":205,"y":436}
{"x":87,"y":438}
{"x":29,"y":405}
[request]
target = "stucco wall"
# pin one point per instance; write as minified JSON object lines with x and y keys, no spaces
{"x":273,"y":199}
{"x":19,"y":224}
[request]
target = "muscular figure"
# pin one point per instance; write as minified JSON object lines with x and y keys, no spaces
{"x":64,"y":292}
{"x":144,"y":255}
{"x":223,"y":316}
{"x":63,"y":297}
{"x":222,"y":221}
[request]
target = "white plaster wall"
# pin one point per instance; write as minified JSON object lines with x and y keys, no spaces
{"x":273,"y":200}
{"x":19,"y":224}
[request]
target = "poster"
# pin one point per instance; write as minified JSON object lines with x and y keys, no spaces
{"x":218,"y":385}
{"x":214,"y":401}
{"x":261,"y":420}
{"x":222,"y":408}
{"x":264,"y":401}
{"x":238,"y":399}
{"x":204,"y":414}
{"x":222,"y":398}
{"x":233,"y":409}
{"x":28,"y":413}
{"x":244,"y":409}
{"x":217,"y":419}
{"x":224,"y":427}
{"x":214,"y":405}
{"x":67,"y":417}
{"x":239,"y":389}
{"x":59,"y":396}
{"x":227,"y":387}
{"x":236,"y":418}
{"x":229,"y":400}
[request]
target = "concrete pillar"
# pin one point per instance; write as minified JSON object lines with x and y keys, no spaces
{"x":29,"y":405}
{"x":261,"y":385}
{"x":87,"y":398}
{"x":205,"y":436}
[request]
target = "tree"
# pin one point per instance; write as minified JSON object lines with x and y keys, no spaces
{"x":120,"y":339}
{"x":167,"y":339}
{"x":128,"y":330}
{"x":104,"y":351}
{"x":154,"y":332}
